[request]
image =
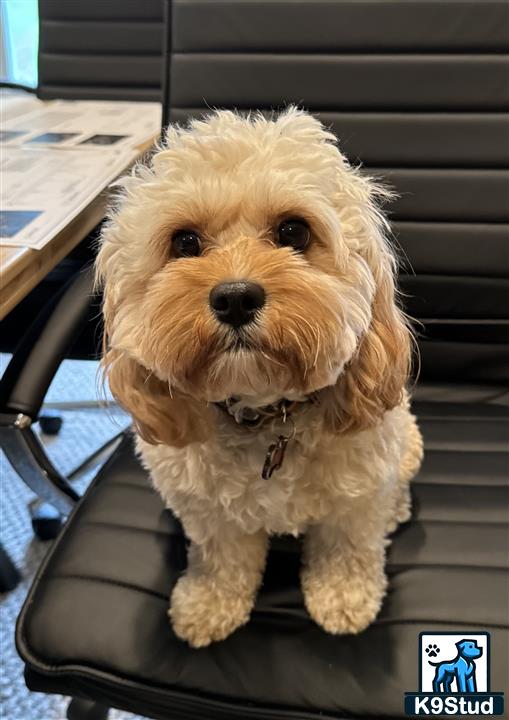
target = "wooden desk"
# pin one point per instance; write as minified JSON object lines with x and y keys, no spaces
{"x":22,"y":268}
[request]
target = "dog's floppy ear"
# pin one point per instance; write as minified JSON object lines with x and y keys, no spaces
{"x":159,"y":417}
{"x":374,"y":380}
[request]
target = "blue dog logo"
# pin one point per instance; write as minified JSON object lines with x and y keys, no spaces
{"x":460,"y":686}
{"x":462,"y":669}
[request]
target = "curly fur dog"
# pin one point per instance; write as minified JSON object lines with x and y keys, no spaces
{"x":249,"y":303}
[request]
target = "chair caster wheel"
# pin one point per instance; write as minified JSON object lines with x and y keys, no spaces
{"x":9,"y":575}
{"x":79,"y":709}
{"x":50,"y":424}
{"x":46,"y":521}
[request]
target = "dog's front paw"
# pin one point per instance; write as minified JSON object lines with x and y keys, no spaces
{"x":202,"y":612}
{"x":341,"y":605}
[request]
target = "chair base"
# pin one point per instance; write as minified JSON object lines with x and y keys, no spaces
{"x":86,"y":710}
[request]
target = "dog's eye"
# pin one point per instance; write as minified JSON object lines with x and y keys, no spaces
{"x":294,"y":234}
{"x":186,"y":243}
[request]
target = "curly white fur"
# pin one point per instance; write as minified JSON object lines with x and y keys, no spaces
{"x":331,"y":326}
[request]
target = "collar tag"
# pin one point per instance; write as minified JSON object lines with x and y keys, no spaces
{"x":276,"y":451}
{"x":274,"y":457}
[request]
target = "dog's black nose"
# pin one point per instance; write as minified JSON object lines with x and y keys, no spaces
{"x":236,"y":303}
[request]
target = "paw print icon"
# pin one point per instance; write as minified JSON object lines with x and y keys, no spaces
{"x":432,"y":650}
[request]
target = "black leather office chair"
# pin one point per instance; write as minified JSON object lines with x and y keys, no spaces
{"x":418,"y":91}
{"x":98,"y":50}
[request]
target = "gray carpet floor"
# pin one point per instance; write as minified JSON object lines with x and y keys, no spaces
{"x":83,"y":432}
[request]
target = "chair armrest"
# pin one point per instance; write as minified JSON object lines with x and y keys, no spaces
{"x":26,"y":380}
{"x":45,"y":344}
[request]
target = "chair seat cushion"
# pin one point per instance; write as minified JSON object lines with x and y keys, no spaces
{"x":95,"y":622}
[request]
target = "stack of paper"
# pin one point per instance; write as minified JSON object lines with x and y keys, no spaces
{"x":57,"y":156}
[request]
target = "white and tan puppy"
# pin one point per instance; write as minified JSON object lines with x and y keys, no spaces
{"x":252,"y":329}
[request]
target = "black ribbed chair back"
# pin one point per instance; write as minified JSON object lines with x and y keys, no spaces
{"x":417,"y":92}
{"x":100,"y":49}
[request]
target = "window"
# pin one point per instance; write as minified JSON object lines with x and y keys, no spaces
{"x":18,"y":41}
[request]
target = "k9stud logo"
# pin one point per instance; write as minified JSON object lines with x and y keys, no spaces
{"x":454,"y":672}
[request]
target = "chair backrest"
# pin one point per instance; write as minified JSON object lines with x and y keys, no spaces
{"x":418,"y":92}
{"x":100,"y":49}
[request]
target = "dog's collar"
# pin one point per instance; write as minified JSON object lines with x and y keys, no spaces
{"x":255,"y":417}
{"x":279,"y":413}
